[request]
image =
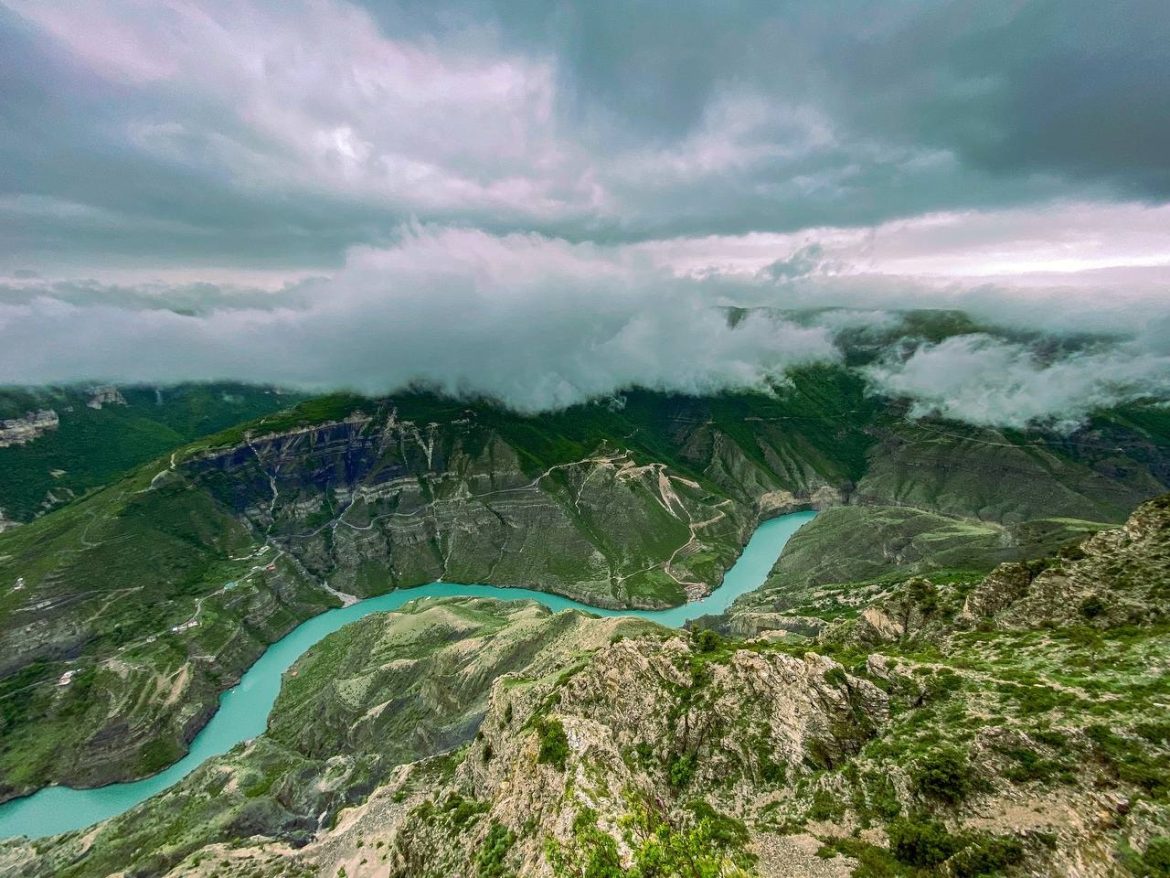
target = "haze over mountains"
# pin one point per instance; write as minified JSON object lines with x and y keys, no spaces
{"x":545,"y":205}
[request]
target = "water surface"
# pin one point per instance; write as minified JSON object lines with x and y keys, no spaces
{"x":243,"y":710}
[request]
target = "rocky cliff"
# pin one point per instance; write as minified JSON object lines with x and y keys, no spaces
{"x":1012,"y":726}
{"x":155,"y":593}
{"x":19,"y":431}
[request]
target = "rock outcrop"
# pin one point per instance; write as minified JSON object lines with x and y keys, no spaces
{"x":20,"y":431}
{"x":107,"y":394}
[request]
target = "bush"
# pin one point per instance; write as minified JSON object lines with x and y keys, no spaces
{"x":554,"y":743}
{"x":836,"y":676}
{"x":590,"y":851}
{"x":1155,"y":862}
{"x":1030,"y":766}
{"x":706,"y":640}
{"x":490,"y":861}
{"x":924,"y":595}
{"x":825,"y":806}
{"x":987,"y":855}
{"x":1092,"y":607}
{"x":921,"y":842}
{"x":944,"y":774}
{"x":681,"y":770}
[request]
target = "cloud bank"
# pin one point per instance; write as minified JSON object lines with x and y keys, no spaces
{"x":988,"y":382}
{"x":549,"y":202}
{"x":534,"y":322}
{"x":541,"y":323}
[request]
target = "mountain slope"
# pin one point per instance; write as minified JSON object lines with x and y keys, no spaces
{"x":124,"y":614}
{"x":1014,"y":726}
{"x":98,"y":434}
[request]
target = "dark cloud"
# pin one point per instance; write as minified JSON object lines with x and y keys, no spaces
{"x":425,"y":184}
{"x":606,"y":121}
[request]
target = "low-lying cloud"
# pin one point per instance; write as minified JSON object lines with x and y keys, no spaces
{"x":541,"y":323}
{"x":990,"y":382}
{"x":534,"y":322}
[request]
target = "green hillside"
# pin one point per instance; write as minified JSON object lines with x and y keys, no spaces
{"x":160,"y":589}
{"x":93,"y":446}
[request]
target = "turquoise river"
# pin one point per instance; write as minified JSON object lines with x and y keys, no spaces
{"x":243,"y":710}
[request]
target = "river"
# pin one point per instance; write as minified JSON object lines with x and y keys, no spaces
{"x":243,"y":710}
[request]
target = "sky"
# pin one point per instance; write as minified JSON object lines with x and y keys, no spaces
{"x":547,"y":202}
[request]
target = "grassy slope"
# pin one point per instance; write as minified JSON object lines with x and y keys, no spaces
{"x":848,"y":551}
{"x":93,"y":447}
{"x":121,"y":566}
{"x":113,"y":573}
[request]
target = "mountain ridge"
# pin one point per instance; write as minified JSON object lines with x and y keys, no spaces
{"x":239,"y":536}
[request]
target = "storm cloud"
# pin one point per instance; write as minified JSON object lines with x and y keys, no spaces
{"x":550,"y":202}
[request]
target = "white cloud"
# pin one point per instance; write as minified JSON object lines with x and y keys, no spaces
{"x":990,"y":382}
{"x":537,"y":322}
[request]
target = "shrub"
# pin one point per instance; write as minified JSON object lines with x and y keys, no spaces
{"x":921,"y":842}
{"x":590,"y":851}
{"x":706,"y":640}
{"x":825,"y":806}
{"x":944,"y":774}
{"x":882,"y":795}
{"x":836,"y":676}
{"x":987,"y":855}
{"x":554,"y":743}
{"x":681,"y":770}
{"x":489,"y":863}
{"x":924,"y":594}
{"x":1092,"y":607}
{"x":1155,"y":862}
{"x":872,"y":861}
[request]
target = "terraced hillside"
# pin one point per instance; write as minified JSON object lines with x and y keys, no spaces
{"x":123,"y":615}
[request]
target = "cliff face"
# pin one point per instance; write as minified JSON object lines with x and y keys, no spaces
{"x":944,"y":730}
{"x":19,"y":431}
{"x":82,"y":438}
{"x":376,"y":503}
{"x":158,"y":591}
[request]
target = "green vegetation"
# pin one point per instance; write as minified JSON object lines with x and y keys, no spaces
{"x":490,"y":862}
{"x":92,"y":447}
{"x":708,"y":845}
{"x":554,"y":743}
{"x":944,"y":774}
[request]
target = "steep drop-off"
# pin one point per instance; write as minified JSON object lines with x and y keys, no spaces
{"x":1014,"y":725}
{"x":123,"y":616}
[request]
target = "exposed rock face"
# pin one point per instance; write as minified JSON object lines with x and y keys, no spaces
{"x":1023,"y":748}
{"x":1117,"y":577}
{"x":105,"y":395}
{"x":19,"y":431}
{"x":372,"y":504}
